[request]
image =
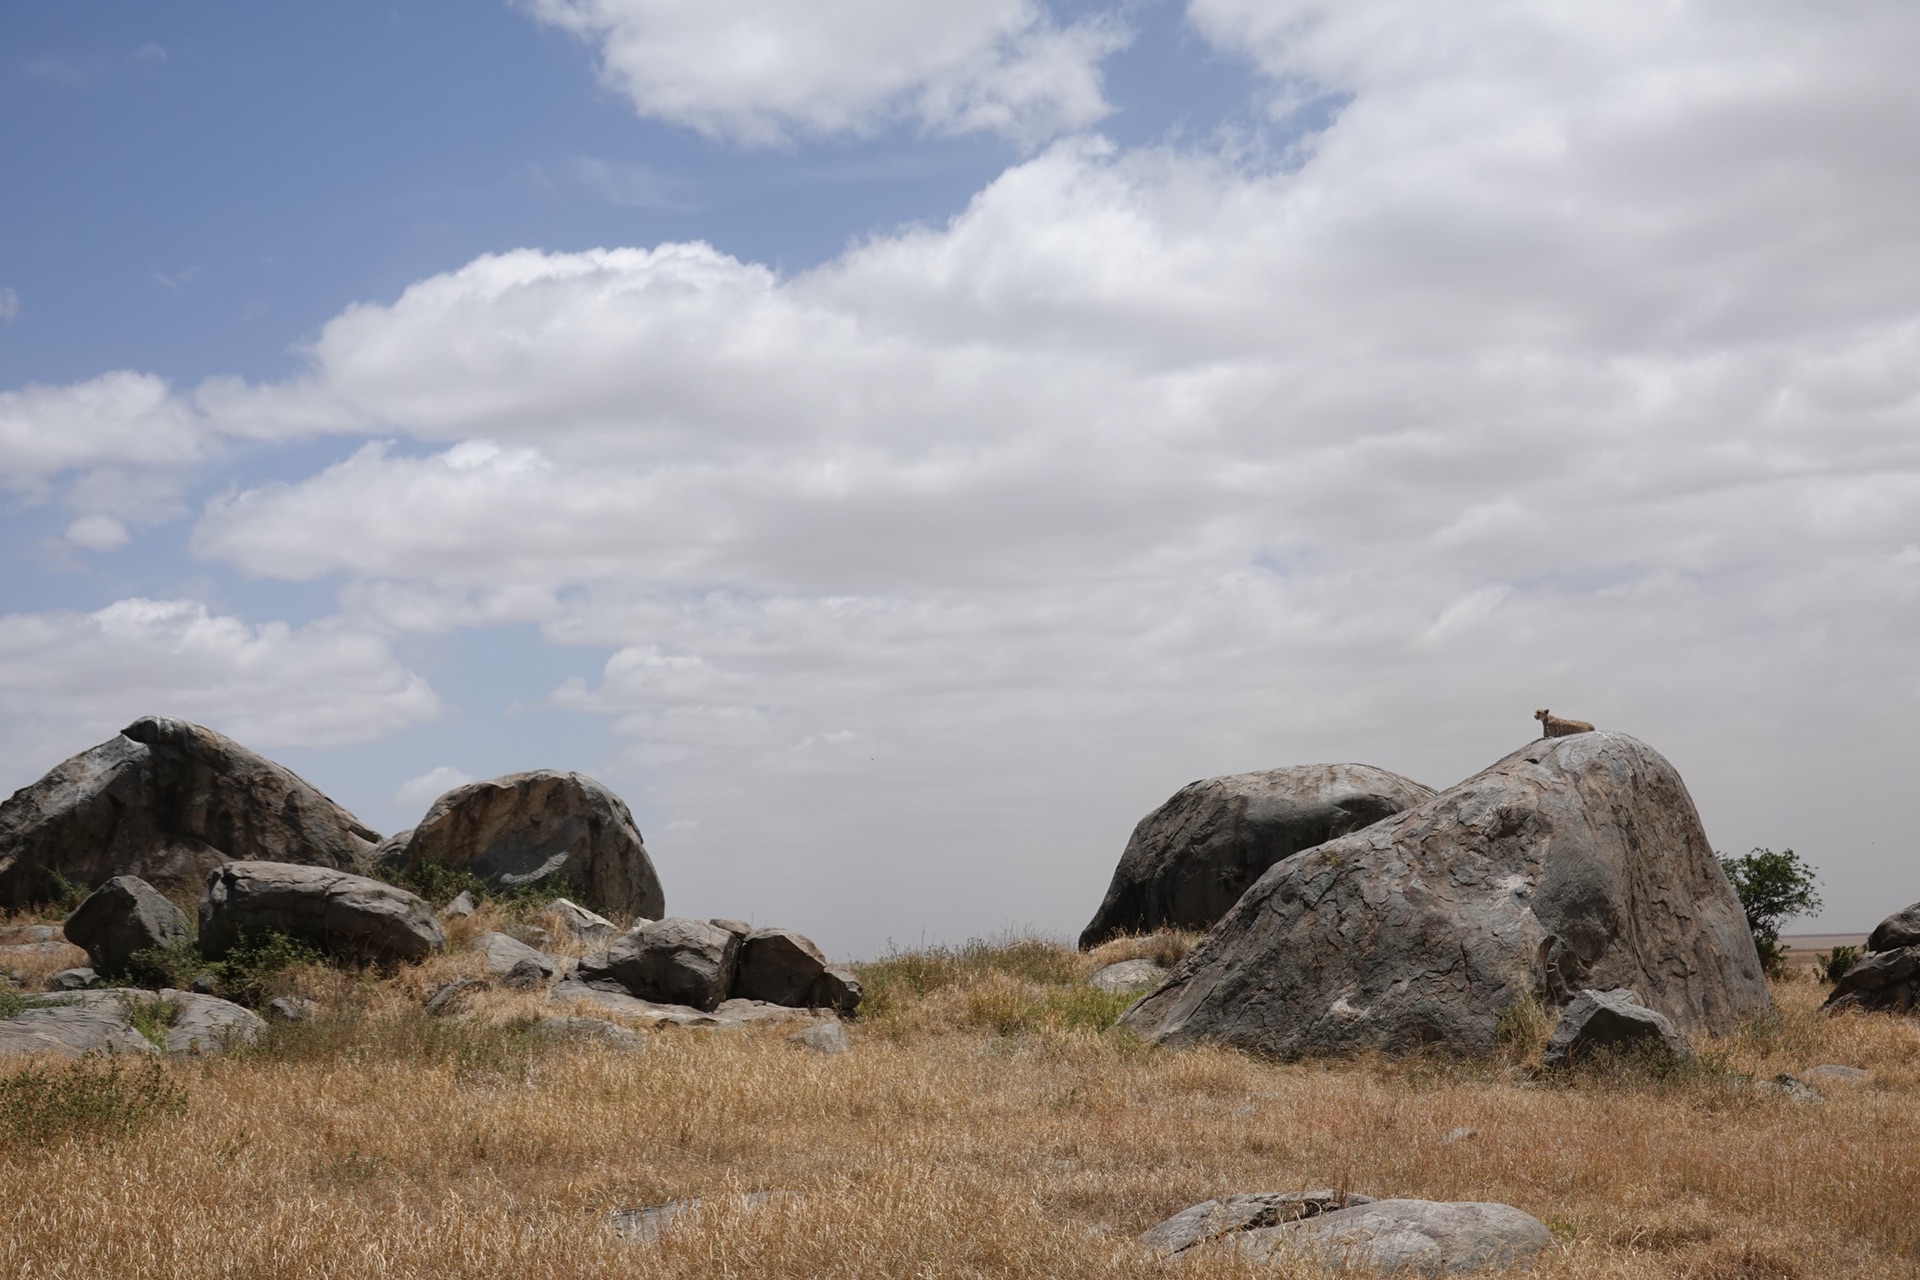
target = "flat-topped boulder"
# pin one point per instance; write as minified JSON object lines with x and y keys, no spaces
{"x":542,"y":828}
{"x":1190,"y":860}
{"x":1573,"y":863}
{"x":104,"y":1021}
{"x":166,"y":801}
{"x":1397,"y":1237}
{"x":348,"y":917}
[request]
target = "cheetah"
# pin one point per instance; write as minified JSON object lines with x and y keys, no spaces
{"x":1552,"y":726}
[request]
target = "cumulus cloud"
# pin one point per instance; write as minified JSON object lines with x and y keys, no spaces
{"x":418,"y":793}
{"x":763,"y":72}
{"x":75,"y":678}
{"x":1573,"y":363}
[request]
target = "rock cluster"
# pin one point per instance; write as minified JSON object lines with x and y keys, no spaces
{"x":705,"y":964}
{"x":1613,"y":1022}
{"x":1192,"y":858}
{"x":166,"y":801}
{"x":1573,"y":863}
{"x":1888,"y":976}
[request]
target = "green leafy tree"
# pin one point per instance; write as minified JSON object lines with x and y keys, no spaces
{"x":1773,"y":888}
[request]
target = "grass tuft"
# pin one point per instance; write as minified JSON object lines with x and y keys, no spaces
{"x":94,"y":1098}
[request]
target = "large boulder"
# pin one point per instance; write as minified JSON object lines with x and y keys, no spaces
{"x":778,"y":966}
{"x":110,"y":1021}
{"x":687,"y":962}
{"x":166,"y":801}
{"x":124,"y":916}
{"x":1192,"y":858}
{"x":348,"y":917}
{"x":543,"y":828}
{"x":1575,"y":862}
{"x":1422,"y":1237}
{"x":1887,"y":978}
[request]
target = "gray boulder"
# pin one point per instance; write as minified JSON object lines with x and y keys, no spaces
{"x":728,"y":1015}
{"x":1887,"y":980}
{"x":1575,"y":862}
{"x":103,"y":1022}
{"x":822,"y":1037}
{"x":460,"y":908}
{"x":836,"y":988}
{"x":594,"y":1030}
{"x":1612,"y":1022}
{"x":1249,"y":1211}
{"x":1901,"y":929}
{"x":166,"y":801}
{"x":452,"y":994}
{"x":1192,"y":858}
{"x":543,"y":828}
{"x":124,"y":916}
{"x":673,"y":961}
{"x":778,"y":966}
{"x":1128,"y":975}
{"x":582,"y":923}
{"x":1422,"y":1237}
{"x":291,"y":1009}
{"x":73,"y":980}
{"x":515,"y":963}
{"x":347,"y":917}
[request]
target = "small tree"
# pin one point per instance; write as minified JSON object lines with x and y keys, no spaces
{"x":1773,"y":888}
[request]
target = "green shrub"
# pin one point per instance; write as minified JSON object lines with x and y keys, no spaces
{"x":440,"y":884}
{"x":248,"y":973}
{"x":151,"y":1017}
{"x":92,"y":1098}
{"x":13,"y":1003}
{"x":1837,"y":963}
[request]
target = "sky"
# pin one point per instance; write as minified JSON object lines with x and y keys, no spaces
{"x":897,"y":446}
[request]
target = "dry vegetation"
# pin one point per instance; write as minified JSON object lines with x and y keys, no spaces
{"x":989,"y":1122}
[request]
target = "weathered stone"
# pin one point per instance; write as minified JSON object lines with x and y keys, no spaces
{"x":836,"y":988}
{"x":166,"y":801}
{"x":672,"y":961}
{"x":543,"y":828}
{"x":822,"y":1037}
{"x":1885,"y":981}
{"x":443,"y":1000}
{"x":515,"y":964}
{"x":460,"y":908}
{"x":778,"y":966}
{"x":22,"y":935}
{"x":1793,"y":1088}
{"x":102,"y":1021}
{"x":348,"y":917}
{"x":740,"y":927}
{"x":72,"y":980}
{"x":582,"y":923}
{"x":1424,"y":1237}
{"x":124,"y":916}
{"x":1249,"y":1211}
{"x":727,"y":1016}
{"x":291,"y":1009}
{"x":596,"y":1030}
{"x":1128,"y":975}
{"x":1901,"y":929}
{"x":1190,"y":860}
{"x":1613,"y":1021}
{"x":1575,"y":862}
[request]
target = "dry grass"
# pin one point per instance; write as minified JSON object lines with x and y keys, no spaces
{"x":989,"y":1122}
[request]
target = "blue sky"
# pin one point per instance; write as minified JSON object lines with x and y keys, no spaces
{"x":896,"y":448}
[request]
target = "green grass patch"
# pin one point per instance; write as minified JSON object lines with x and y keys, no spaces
{"x":91,"y":1099}
{"x":14,"y":1003}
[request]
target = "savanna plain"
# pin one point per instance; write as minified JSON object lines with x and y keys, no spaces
{"x":990,"y":1120}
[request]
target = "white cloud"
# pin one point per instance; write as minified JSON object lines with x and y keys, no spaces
{"x":120,"y":419}
{"x":9,"y":305}
{"x":418,"y":793}
{"x":98,"y":533}
{"x":78,"y":677}
{"x":762,"y":71}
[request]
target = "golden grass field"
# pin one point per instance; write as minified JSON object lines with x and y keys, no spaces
{"x":990,"y":1121}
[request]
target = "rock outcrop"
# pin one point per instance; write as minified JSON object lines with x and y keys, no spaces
{"x":83,"y":1022}
{"x":701,"y":966}
{"x":123,"y":917}
{"x":347,"y":917}
{"x":1420,"y":1237}
{"x":1212,"y":1220}
{"x":543,"y":828}
{"x":1128,"y":975}
{"x":1575,"y":862}
{"x":166,"y":801}
{"x":1192,"y":858}
{"x":1613,"y":1022}
{"x":687,"y":962}
{"x":1887,"y":978}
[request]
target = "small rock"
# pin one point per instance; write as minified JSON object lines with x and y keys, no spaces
{"x":72,"y":980}
{"x":443,"y":1000}
{"x":1128,"y":976}
{"x":291,"y":1009}
{"x":514,"y":963}
{"x":1791,"y":1086}
{"x":1459,"y":1135}
{"x":460,"y":908}
{"x":1614,"y":1020}
{"x":740,"y":928}
{"x":1836,"y":1074}
{"x":822,"y":1037}
{"x":582,"y":923}
{"x":727,"y":1016}
{"x":599,"y":1030}
{"x":643,"y":1225}
{"x":1249,"y":1211}
{"x":1424,"y":1236}
{"x":204,"y":983}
